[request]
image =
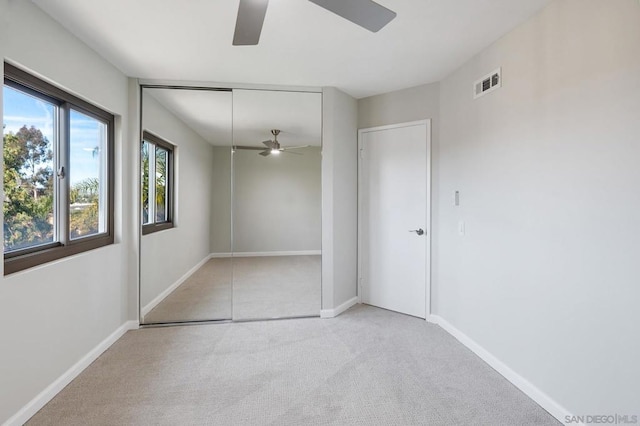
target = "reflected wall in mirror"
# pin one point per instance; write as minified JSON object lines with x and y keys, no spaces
{"x":185,"y":264}
{"x":277,"y":204}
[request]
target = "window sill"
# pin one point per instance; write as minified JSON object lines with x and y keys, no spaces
{"x":21,"y":262}
{"x":156,"y":227}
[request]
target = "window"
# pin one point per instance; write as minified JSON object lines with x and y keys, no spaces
{"x":157,"y":183}
{"x":58,"y":173}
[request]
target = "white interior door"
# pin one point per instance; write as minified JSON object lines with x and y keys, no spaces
{"x":394,"y":231}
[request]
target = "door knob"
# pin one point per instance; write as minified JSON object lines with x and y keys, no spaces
{"x":419,"y":231}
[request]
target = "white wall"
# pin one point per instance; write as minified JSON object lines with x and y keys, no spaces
{"x":277,"y":201}
{"x":402,"y":106}
{"x":339,"y":197}
{"x":547,"y":276}
{"x":53,"y":315}
{"x":167,"y":255}
{"x":220,"y":238}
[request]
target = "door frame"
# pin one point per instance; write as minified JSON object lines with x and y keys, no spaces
{"x":361,"y":132}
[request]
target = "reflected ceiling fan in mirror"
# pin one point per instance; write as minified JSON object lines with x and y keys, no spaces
{"x":365,"y":13}
{"x":273,"y":147}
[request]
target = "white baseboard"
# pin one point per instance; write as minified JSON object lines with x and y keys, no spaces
{"x":277,"y":253}
{"x":52,"y":390}
{"x":266,"y":253}
{"x":544,"y":400}
{"x":220,"y":255}
{"x":434,"y":319}
{"x":332,"y":313}
{"x":159,"y":298}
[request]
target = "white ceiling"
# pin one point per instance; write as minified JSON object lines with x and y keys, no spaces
{"x":302,"y":44}
{"x":251,"y":114}
{"x":206,"y":112}
{"x":297,"y":115}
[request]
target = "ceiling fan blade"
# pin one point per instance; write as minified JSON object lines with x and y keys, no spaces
{"x":295,"y":147}
{"x":290,"y":152}
{"x":265,"y":153}
{"x":249,"y":22}
{"x":366,"y":13}
{"x":254,"y":148}
{"x":269,"y":144}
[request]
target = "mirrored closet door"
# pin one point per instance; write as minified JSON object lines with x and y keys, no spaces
{"x":186,"y":205}
{"x":230,"y":204}
{"x":276,"y":204}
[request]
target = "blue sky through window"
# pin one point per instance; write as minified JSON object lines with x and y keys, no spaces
{"x":86,"y":146}
{"x":21,"y":109}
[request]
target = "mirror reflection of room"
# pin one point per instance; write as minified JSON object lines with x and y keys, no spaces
{"x":231,"y":205}
{"x":185,"y":206}
{"x":277,"y":204}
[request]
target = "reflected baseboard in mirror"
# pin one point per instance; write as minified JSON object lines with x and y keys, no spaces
{"x":203,"y":296}
{"x":179,"y":281}
{"x":277,"y":209}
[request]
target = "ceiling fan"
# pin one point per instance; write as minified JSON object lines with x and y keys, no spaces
{"x":366,"y":13}
{"x":273,"y":146}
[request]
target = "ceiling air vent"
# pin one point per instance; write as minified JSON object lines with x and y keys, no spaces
{"x":488,"y":83}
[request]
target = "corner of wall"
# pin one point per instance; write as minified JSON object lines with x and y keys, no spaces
{"x":132,"y":153}
{"x":339,"y":197}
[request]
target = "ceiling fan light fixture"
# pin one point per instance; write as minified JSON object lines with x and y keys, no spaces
{"x":275,"y":151}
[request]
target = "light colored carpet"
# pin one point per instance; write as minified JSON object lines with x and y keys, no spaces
{"x":366,"y":367}
{"x":205,"y":295}
{"x":276,"y":287}
{"x":263,"y":288}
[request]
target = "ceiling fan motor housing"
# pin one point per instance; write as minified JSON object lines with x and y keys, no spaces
{"x":276,"y":144}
